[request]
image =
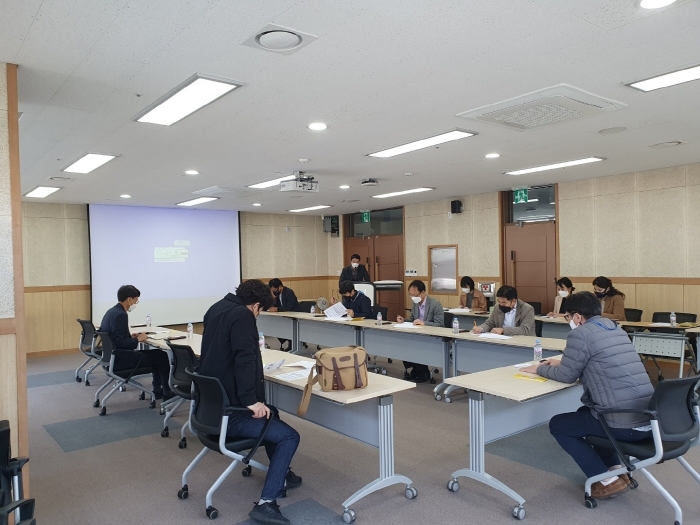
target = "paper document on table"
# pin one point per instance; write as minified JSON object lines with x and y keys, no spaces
{"x":523,"y":365}
{"x":308,"y":365}
{"x":489,"y":335}
{"x":660,"y":324}
{"x":405,"y":324}
{"x":292,"y":376}
{"x":273,"y":366}
{"x":336,"y":310}
{"x":338,"y":319}
{"x":459,"y":310}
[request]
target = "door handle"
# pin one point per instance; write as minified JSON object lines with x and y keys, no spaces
{"x":512,"y":266}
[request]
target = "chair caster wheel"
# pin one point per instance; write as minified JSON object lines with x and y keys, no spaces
{"x":87,"y":382}
{"x":634,"y":483}
{"x":391,"y":360}
{"x":349,"y":516}
{"x":383,"y":372}
{"x":182,"y":443}
{"x":246,"y":471}
{"x":183,"y":492}
{"x":165,"y":432}
{"x":661,"y":378}
{"x":448,"y":400}
{"x":438,"y":397}
{"x":96,"y":404}
{"x":122,"y":388}
{"x":519,"y":512}
{"x":103,"y":412}
{"x":142,"y":396}
{"x":432,"y":380}
{"x":162,"y":411}
{"x":453,"y":485}
{"x":78,"y":379}
{"x":590,"y":503}
{"x":411,"y":492}
{"x":212,"y":513}
{"x":152,"y":404}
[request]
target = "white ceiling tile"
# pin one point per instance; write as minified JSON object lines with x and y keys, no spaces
{"x":17,"y":17}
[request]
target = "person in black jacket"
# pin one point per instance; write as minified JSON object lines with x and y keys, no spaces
{"x":356,"y":272}
{"x":285,"y":301}
{"x":357,"y":303}
{"x":116,"y":323}
{"x":231,"y":353}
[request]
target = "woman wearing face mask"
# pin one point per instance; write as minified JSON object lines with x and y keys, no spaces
{"x":612,"y":300}
{"x":564,"y":289}
{"x":471,"y":297}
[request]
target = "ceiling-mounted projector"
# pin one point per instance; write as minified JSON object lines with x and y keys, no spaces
{"x":370,"y":182}
{"x":301,"y":182}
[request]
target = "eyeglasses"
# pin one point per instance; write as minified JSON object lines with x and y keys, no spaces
{"x":569,"y":317}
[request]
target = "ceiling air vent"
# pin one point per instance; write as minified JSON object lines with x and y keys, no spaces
{"x":544,"y":107}
{"x":221,"y":191}
{"x":279,"y":39}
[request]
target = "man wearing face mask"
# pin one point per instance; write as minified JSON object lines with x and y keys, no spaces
{"x":285,"y":301}
{"x":116,"y":323}
{"x":601,"y":356}
{"x":471,"y":297}
{"x":231,"y":353}
{"x":356,"y":303}
{"x":425,"y":311}
{"x":511,"y":317}
{"x":356,"y":272}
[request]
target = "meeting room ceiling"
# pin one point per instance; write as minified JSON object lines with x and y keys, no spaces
{"x":380,"y":73}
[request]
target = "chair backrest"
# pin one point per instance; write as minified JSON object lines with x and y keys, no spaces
{"x":183,"y":359}
{"x":383,"y":309}
{"x":681,"y":317}
{"x":5,"y":455}
{"x":209,"y":401}
{"x":673,"y":401}
{"x":107,"y":347}
{"x":449,"y":318}
{"x":537,"y":307}
{"x":633,"y":315}
{"x":88,"y":333}
{"x":305,"y":306}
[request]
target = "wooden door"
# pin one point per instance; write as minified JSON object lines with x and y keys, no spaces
{"x":388,"y":265}
{"x":364,"y":247}
{"x":530,"y":262}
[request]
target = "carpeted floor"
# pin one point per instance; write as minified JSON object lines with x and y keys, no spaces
{"x":87,"y":469}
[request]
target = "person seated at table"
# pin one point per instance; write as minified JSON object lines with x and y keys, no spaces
{"x":230,"y":352}
{"x":285,"y":301}
{"x":356,"y":272}
{"x":601,"y":356}
{"x":512,"y":317}
{"x":356,"y":303}
{"x":116,"y":323}
{"x":612,"y":300}
{"x":564,"y":289}
{"x":424,"y":311}
{"x":471,"y":297}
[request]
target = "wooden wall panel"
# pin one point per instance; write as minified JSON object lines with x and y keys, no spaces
{"x":659,"y":298}
{"x":8,"y":385}
{"x":44,"y":314}
{"x":76,"y":305}
{"x":691,"y":299}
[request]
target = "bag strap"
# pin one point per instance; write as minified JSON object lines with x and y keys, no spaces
{"x":337,"y":381}
{"x":306,"y":396}
{"x":358,"y":379}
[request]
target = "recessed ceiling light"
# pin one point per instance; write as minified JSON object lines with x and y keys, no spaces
{"x":492,"y":155}
{"x":125,"y":196}
{"x":193,"y":94}
{"x":344,"y":187}
{"x":558,"y":165}
{"x":257,"y":204}
{"x":612,"y":131}
{"x":200,"y":200}
{"x":655,"y":4}
{"x":311,"y":208}
{"x":61,"y":179}
{"x":423,"y":143}
{"x":397,"y":193}
{"x":667,"y":79}
{"x":41,"y":192}
{"x":191,"y":172}
{"x":270,"y":183}
{"x":88,"y":163}
{"x":317,"y":126}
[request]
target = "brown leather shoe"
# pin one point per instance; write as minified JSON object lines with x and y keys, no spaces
{"x":625,"y":478}
{"x":617,"y":487}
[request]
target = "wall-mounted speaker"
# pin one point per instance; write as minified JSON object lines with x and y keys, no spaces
{"x":456,"y":206}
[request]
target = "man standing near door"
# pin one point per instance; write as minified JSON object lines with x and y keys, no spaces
{"x":356,"y":272}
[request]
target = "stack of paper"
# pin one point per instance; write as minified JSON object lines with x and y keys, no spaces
{"x":335,"y":311}
{"x":405,"y":324}
{"x":489,"y":335}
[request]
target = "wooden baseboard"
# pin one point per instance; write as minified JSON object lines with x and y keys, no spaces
{"x":61,"y":351}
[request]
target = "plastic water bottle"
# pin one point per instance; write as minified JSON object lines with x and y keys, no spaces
{"x":379,"y":318}
{"x":538,"y":351}
{"x":148,"y":320}
{"x":190,"y":330}
{"x":673,"y":319}
{"x":261,"y":341}
{"x":455,"y":325}
{"x":313,"y":309}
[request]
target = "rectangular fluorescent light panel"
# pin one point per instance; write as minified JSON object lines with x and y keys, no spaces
{"x":270,"y":183}
{"x":397,"y":193}
{"x":200,"y":200}
{"x":41,"y":191}
{"x":190,"y":96}
{"x":555,"y":166}
{"x":312,"y":208}
{"x":88,"y":163}
{"x":669,"y":79}
{"x":424,"y":143}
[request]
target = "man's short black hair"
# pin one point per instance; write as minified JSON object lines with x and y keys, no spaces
{"x":508,"y":292}
{"x":346,"y":287}
{"x":584,"y":303}
{"x":255,"y":291}
{"x":127,"y":291}
{"x":354,"y":256}
{"x":418,"y":285}
{"x":275,"y":283}
{"x":467,"y":281}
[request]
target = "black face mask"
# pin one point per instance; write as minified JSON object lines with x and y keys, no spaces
{"x":276,"y":294}
{"x":505,"y":309}
{"x":600,"y":295}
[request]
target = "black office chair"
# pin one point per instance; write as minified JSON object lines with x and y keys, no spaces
{"x":674,"y":414}
{"x":538,"y":324}
{"x":122,"y":376}
{"x":691,"y":348}
{"x":181,"y":384}
{"x":681,"y":317}
{"x":633,"y":315}
{"x":23,"y":510}
{"x":89,"y":347}
{"x":11,"y":483}
{"x":210,"y":422}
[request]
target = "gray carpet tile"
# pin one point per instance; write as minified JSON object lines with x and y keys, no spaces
{"x":51,"y":378}
{"x":307,"y":511}
{"x":98,"y":430}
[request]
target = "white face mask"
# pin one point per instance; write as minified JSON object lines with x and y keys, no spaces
{"x":354,"y":265}
{"x":416,"y":299}
{"x":132,"y":307}
{"x":563,"y":293}
{"x":572,"y":324}
{"x":466,"y":290}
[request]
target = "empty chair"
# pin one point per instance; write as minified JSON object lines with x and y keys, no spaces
{"x":181,"y":384}
{"x":305,"y":306}
{"x":681,"y":317}
{"x":88,"y":346}
{"x":538,"y":324}
{"x":210,"y":422}
{"x":22,"y":509}
{"x":674,"y":414}
{"x":11,"y":483}
{"x":633,"y":315}
{"x":120,"y":375}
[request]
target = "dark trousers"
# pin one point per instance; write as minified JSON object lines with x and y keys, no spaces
{"x":157,"y":360}
{"x":417,"y":369}
{"x":282,"y":341}
{"x":569,"y":430}
{"x":281,"y":442}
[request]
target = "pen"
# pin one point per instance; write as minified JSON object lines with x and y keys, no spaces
{"x":474,"y":323}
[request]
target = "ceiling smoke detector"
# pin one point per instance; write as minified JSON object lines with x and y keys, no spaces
{"x":370,"y":182}
{"x":612,"y":131}
{"x":279,"y":39}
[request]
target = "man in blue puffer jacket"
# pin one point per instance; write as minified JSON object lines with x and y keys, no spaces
{"x":601,"y":356}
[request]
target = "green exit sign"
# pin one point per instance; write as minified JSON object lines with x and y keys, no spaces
{"x":365,"y":215}
{"x":520,"y":196}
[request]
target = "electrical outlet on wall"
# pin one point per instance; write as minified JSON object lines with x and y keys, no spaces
{"x":337,"y":272}
{"x":449,"y":214}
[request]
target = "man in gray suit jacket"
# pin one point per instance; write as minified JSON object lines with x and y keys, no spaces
{"x":425,"y":311}
{"x":511,"y":315}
